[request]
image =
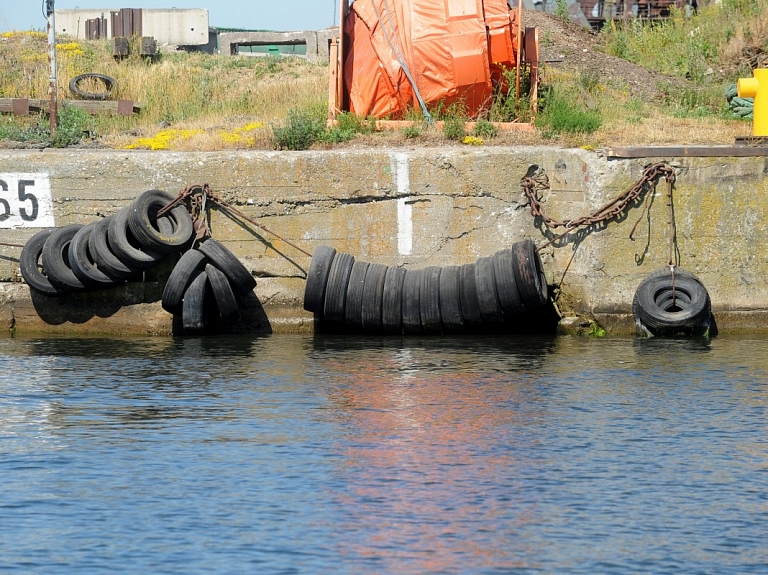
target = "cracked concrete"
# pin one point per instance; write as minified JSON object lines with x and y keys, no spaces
{"x":461,"y":204}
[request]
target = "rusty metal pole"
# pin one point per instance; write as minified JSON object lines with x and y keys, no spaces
{"x":53,"y":112}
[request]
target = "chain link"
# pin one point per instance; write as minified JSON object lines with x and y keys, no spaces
{"x":533,"y":186}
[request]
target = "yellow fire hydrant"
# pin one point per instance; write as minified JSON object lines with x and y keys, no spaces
{"x":757,"y":88}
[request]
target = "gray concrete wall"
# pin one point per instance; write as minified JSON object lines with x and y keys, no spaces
{"x":412,"y":208}
{"x":168,"y":26}
{"x":317,"y":41}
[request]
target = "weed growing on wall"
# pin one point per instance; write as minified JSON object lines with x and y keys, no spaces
{"x":301,"y":129}
{"x":73,"y":125}
{"x":562,"y":114}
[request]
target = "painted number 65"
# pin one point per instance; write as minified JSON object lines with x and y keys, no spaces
{"x":24,"y":196}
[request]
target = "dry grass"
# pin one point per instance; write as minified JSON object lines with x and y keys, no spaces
{"x":194,"y":101}
{"x":217,"y":95}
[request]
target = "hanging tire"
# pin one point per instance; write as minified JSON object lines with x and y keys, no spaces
{"x":353,"y":308}
{"x":178,"y":281}
{"x":504,"y":263}
{"x":487,"y":298}
{"x":450,"y":300}
{"x":529,"y":275}
{"x":223,"y":294}
{"x":411,"y":302}
{"x":470,"y":308}
{"x":193,"y":308}
{"x":336,"y":290}
{"x":55,"y":258}
{"x":317,"y":278}
{"x":168,"y":234}
{"x":392,"y":301}
{"x":29,"y":264}
{"x":373,"y":298}
{"x":82,"y":263}
{"x":429,"y":300}
{"x":125,"y":246}
{"x":106,"y":261}
{"x":241,"y":279}
{"x":665,"y":305}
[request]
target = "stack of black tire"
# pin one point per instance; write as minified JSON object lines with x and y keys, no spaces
{"x":120,"y":247}
{"x":203,"y":286}
{"x":671,"y":304}
{"x":505,"y":290}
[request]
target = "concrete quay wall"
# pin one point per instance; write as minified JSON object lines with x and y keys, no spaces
{"x":413,"y":208}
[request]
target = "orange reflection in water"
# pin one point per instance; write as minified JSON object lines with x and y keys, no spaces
{"x":431,"y":468}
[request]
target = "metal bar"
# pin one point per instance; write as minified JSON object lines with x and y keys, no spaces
{"x":52,"y":110}
{"x":687,"y":152}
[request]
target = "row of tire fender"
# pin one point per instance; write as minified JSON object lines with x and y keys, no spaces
{"x":119,"y":247}
{"x":503,"y":288}
{"x":672,"y":304}
{"x":202,"y":276}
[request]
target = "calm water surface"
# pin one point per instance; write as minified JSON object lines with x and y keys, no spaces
{"x":300,"y":454}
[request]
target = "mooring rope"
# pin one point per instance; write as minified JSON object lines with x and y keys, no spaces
{"x":208,"y":195}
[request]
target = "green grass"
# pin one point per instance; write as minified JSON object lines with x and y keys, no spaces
{"x":692,"y":46}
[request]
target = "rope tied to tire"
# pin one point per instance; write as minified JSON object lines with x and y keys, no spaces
{"x":534,"y":185}
{"x":198,"y":196}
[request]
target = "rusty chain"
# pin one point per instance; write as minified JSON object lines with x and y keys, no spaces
{"x":199,"y":195}
{"x":534,"y":185}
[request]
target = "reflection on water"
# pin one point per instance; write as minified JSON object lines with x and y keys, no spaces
{"x":330,"y":454}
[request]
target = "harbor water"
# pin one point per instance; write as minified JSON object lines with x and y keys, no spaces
{"x":330,"y":454}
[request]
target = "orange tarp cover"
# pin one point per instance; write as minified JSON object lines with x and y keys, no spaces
{"x":454,"y":50}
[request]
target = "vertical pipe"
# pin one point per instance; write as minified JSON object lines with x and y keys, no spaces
{"x":53,"y":112}
{"x":519,"y":48}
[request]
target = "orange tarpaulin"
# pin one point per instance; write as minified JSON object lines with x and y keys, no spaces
{"x":453,"y":50}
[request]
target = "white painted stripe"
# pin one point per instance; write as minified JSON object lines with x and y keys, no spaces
{"x":404,"y":209}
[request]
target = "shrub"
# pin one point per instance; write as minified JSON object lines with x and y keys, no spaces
{"x":299,"y":131}
{"x":453,"y":128}
{"x":561,"y":114}
{"x":485,"y":129}
{"x":73,"y":124}
{"x":347,"y":126}
{"x":412,"y":131}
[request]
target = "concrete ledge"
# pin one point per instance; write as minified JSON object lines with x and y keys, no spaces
{"x":411,"y":208}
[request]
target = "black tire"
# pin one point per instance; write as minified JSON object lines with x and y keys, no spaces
{"x":656,"y":310}
{"x":106,"y":261}
{"x":470,"y":308}
{"x":82,"y":263}
{"x":178,"y":281}
{"x":373,"y":298}
{"x":29,"y":264}
{"x":353,"y":309}
{"x":317,"y":278}
{"x":109,"y":85}
{"x":450,"y":300}
{"x":193,"y":309}
{"x":487,"y":298}
{"x":168,"y":234}
{"x":239,"y":277}
{"x":529,"y":275}
{"x":125,"y":246}
{"x":336,"y":290}
{"x":504,"y":263}
{"x":411,"y":302}
{"x":55,"y":258}
{"x":392,"y":301}
{"x":429,"y":300}
{"x":223,"y":294}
